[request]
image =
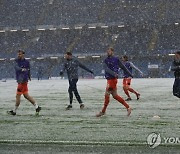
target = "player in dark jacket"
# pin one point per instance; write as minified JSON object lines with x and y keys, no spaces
{"x":71,"y":66}
{"x":111,"y":66}
{"x":176,"y":69}
{"x":22,"y":68}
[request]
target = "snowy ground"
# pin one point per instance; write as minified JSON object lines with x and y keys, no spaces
{"x":56,"y":127}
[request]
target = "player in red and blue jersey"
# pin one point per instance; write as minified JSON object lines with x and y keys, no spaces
{"x":127,"y":78}
{"x":22,"y":68}
{"x":111,"y":66}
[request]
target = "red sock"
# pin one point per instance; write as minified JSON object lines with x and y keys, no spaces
{"x":132,"y":90}
{"x":122,"y":101}
{"x":126,"y":92}
{"x":106,"y":103}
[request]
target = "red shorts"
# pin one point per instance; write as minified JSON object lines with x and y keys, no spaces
{"x":111,"y":84}
{"x":127,"y":82}
{"x":22,"y":88}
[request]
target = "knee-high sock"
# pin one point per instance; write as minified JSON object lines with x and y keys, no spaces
{"x":133,"y":91}
{"x":106,"y":103}
{"x":121,"y":100}
{"x":126,"y":92}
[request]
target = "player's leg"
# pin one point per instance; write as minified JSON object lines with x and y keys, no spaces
{"x":106,"y":103}
{"x":76,"y":93}
{"x":122,"y":101}
{"x":106,"y":98}
{"x":29,"y":98}
{"x":125,"y":88}
{"x":127,"y":93}
{"x":131,"y":89}
{"x":70,"y":95}
{"x":135,"y":92}
{"x":176,"y":88}
{"x":18,"y":99}
{"x":118,"y":98}
{"x":70,"y":91}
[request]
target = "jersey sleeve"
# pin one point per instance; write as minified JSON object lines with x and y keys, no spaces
{"x":84,"y":67}
{"x":16,"y":67}
{"x":121,"y":65}
{"x":29,"y":70}
{"x":62,"y":68}
{"x":134,"y":67}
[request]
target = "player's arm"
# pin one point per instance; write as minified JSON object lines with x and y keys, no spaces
{"x":175,"y":68}
{"x":109,"y":71}
{"x":137,"y":69}
{"x":84,"y":67}
{"x":29,"y":71}
{"x":124,"y":68}
{"x":62,"y":70}
{"x":16,"y":67}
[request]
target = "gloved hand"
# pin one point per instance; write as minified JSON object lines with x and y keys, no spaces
{"x":92,"y":72}
{"x":61,"y":73}
{"x":23,"y":69}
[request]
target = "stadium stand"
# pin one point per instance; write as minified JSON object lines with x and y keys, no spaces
{"x":47,"y":28}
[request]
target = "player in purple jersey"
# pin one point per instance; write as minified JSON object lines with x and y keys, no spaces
{"x":111,"y":66}
{"x":22,"y":68}
{"x":127,"y":79}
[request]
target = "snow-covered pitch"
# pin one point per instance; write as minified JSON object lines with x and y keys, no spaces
{"x":156,"y":111}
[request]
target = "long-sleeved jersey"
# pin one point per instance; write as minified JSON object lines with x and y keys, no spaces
{"x":22,"y":68}
{"x":130,"y":66}
{"x":111,"y":67}
{"x":176,"y":68}
{"x":71,"y":67}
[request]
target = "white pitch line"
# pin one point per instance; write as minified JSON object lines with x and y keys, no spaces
{"x":83,"y":143}
{"x":71,"y":142}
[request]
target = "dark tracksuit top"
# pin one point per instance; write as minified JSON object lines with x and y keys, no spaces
{"x":22,"y":76}
{"x":71,"y":67}
{"x":176,"y":85}
{"x":176,"y":68}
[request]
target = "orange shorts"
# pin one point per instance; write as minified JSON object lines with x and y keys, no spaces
{"x":111,"y":84}
{"x":22,"y":88}
{"x":127,"y":82}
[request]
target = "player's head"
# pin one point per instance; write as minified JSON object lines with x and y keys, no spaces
{"x":177,"y":55}
{"x":125,"y":58}
{"x":68,"y":55}
{"x":21,"y":54}
{"x":110,"y":51}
